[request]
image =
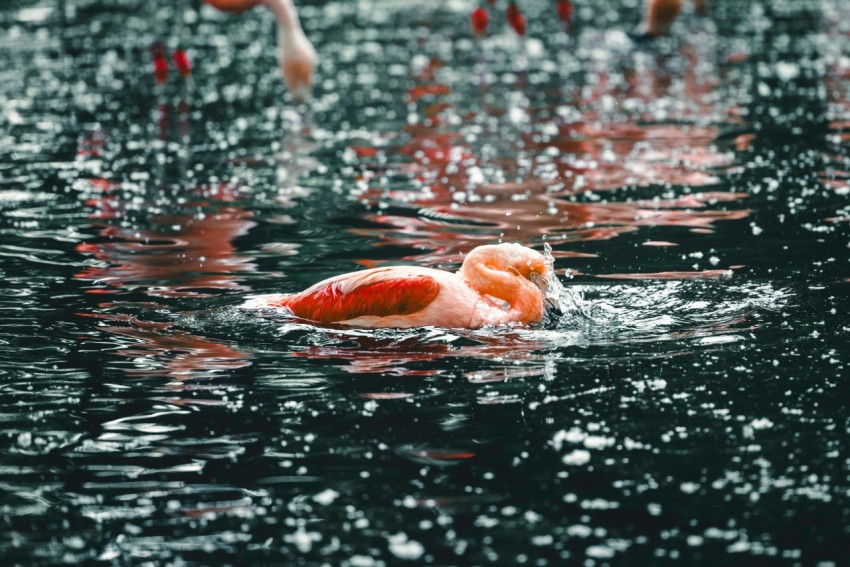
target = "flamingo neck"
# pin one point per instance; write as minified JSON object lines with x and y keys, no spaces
{"x":524,"y":299}
{"x":285,"y":13}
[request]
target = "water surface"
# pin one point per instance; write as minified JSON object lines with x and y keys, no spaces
{"x":689,"y":406}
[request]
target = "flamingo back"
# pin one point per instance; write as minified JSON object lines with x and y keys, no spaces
{"x":376,"y":293}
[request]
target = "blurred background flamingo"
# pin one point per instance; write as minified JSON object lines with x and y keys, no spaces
{"x":297,"y":54}
{"x":659,"y":16}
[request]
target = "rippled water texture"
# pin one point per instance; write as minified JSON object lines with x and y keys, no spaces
{"x":690,"y":405}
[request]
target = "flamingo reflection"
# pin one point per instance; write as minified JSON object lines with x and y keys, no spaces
{"x":574,"y":159}
{"x":186,"y":253}
{"x":179,"y":254}
{"x":415,"y":355}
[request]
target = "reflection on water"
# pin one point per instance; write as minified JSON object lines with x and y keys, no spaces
{"x":694,"y":193}
{"x":469,"y":184}
{"x":186,"y":252}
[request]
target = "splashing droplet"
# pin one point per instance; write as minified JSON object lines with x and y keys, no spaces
{"x":566,"y":301}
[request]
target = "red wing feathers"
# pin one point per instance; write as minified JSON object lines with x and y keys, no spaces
{"x":332,"y":302}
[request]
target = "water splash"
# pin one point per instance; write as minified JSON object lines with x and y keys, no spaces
{"x":567,"y":301}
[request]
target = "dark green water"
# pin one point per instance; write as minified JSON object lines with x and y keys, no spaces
{"x":690,"y":409}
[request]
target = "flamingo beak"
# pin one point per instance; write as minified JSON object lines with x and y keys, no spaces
{"x":549,"y":285}
{"x":552,"y":307}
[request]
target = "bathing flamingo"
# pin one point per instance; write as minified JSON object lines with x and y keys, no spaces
{"x":297,"y":55}
{"x":503,"y":283}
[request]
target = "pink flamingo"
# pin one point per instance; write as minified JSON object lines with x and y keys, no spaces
{"x":503,"y":283}
{"x":297,"y":55}
{"x":660,"y":15}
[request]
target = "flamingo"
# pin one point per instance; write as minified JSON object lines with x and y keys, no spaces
{"x":660,"y":15}
{"x":297,"y":54}
{"x":497,"y":284}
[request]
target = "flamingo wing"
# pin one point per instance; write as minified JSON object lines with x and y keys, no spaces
{"x":379,"y":293}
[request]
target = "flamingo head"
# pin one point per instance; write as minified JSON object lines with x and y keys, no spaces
{"x":521,"y":262}
{"x":539,"y":270}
